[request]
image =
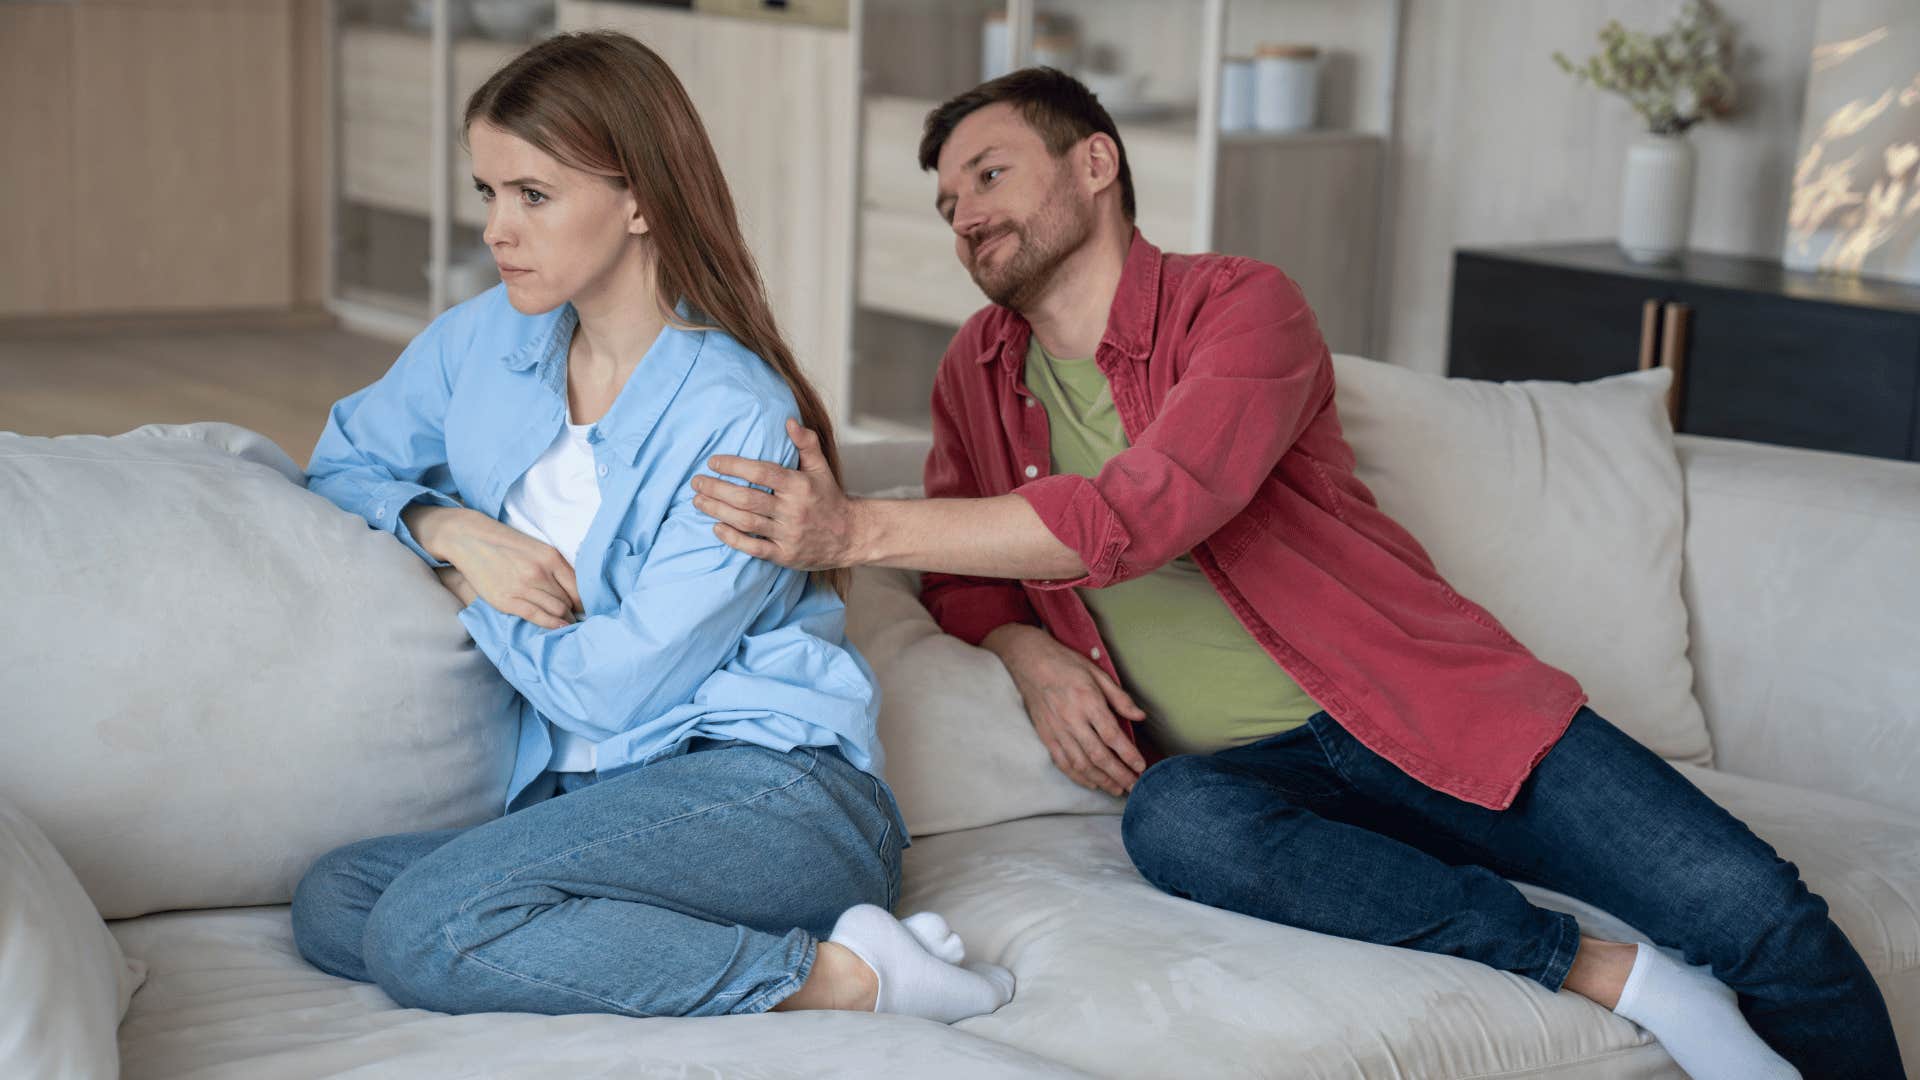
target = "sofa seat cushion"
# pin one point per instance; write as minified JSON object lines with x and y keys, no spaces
{"x":1119,"y":979}
{"x":228,"y":998}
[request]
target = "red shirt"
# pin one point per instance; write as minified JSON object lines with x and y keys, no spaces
{"x":1225,"y":390}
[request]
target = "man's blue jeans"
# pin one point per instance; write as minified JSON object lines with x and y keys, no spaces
{"x":1312,"y":829}
{"x":696,"y":884}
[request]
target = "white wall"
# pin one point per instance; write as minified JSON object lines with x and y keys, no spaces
{"x":1498,"y":146}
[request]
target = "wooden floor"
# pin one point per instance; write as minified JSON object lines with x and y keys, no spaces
{"x":278,"y":376}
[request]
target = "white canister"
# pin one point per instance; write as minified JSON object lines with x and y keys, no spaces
{"x":1236,"y":93}
{"x":1286,"y":89}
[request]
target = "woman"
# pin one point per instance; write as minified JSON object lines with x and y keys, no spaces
{"x":696,"y":821}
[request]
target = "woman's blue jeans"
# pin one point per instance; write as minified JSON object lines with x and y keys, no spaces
{"x":696,"y":884}
{"x":1312,"y":829}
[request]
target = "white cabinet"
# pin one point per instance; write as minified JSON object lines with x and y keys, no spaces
{"x":1308,"y":202}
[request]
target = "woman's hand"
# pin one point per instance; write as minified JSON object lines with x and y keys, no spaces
{"x":510,"y":570}
{"x":456,"y":583}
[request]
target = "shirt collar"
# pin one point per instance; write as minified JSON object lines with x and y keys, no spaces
{"x":1130,"y":322}
{"x":648,"y":390}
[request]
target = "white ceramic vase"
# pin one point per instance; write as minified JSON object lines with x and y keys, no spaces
{"x":1656,"y":206}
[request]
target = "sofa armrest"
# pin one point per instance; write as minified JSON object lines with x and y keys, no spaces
{"x":1802,"y":584}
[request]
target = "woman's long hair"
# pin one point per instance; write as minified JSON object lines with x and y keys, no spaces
{"x":603,"y":103}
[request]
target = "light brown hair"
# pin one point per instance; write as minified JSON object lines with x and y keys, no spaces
{"x":604,"y":103}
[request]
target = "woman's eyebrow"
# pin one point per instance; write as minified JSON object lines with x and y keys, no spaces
{"x":525,"y":181}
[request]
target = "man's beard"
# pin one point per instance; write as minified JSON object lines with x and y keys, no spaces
{"x":1024,"y":276}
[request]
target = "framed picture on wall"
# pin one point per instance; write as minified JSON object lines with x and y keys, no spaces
{"x":1856,"y":183}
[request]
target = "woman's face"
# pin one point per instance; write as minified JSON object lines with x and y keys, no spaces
{"x":556,"y":232}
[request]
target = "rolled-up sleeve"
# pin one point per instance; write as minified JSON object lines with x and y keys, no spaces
{"x":384,"y":446}
{"x":1257,"y":373}
{"x":969,"y":608}
{"x":684,"y":610}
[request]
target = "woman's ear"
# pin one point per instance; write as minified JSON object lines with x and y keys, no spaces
{"x":636,"y":219}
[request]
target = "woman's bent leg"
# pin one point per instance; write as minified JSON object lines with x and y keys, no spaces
{"x":694,"y":886}
{"x":331,"y":903}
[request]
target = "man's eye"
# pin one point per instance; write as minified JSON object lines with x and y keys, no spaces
{"x":990,"y":174}
{"x":485,"y":193}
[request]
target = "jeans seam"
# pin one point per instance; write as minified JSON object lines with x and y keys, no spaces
{"x":460,"y":952}
{"x":624,"y":1010}
{"x":1555,"y":974}
{"x":812,"y":763}
{"x":1327,"y":751}
{"x":795,"y":979}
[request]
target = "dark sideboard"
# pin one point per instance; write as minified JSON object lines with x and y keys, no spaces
{"x":1759,"y":352}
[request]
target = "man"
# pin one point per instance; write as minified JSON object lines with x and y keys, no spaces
{"x":1147,"y":446}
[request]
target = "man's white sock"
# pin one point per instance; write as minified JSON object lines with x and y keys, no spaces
{"x":1697,"y":1019}
{"x":913,"y":981}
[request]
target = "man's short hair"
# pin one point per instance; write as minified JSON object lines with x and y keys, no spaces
{"x":1056,"y":105}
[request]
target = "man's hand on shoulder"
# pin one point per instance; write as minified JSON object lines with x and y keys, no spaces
{"x":1076,"y":708}
{"x":803,"y":521}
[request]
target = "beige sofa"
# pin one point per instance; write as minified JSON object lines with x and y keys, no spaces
{"x":1794,"y":577}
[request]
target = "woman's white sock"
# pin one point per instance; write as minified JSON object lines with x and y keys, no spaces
{"x":914,"y":981}
{"x":936,"y":936}
{"x":1697,"y":1019}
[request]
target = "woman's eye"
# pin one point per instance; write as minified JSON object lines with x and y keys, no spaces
{"x":534,"y":198}
{"x":485,"y":194}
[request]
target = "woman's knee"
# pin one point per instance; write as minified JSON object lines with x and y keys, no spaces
{"x":329,"y":912}
{"x":407,"y":951}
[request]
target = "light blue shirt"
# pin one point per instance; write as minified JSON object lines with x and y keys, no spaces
{"x":682,"y":635}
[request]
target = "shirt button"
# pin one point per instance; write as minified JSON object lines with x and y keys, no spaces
{"x":1029,"y":403}
{"x":1095,"y":653}
{"x":380,"y":511}
{"x":603,"y":470}
{"x":1032,"y":471}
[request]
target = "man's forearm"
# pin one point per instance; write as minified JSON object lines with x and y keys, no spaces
{"x":999,"y":537}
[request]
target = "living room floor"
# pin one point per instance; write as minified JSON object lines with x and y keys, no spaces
{"x":275,"y":374}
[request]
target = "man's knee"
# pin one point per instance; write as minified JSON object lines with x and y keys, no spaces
{"x":1162,"y":819}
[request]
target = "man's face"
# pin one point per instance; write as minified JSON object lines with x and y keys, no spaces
{"x":1015,"y":209}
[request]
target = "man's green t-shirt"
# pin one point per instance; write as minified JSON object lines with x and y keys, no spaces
{"x":1204,"y":682}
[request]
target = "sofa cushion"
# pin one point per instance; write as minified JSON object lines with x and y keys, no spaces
{"x":229,"y":997}
{"x":1119,"y":979}
{"x":1803,"y":593}
{"x":217,"y":676}
{"x":63,"y":982}
{"x":1557,"y":507}
{"x":961,"y":750}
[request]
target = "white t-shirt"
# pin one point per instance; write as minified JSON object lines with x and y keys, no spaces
{"x":554,"y":503}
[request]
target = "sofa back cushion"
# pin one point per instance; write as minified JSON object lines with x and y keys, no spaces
{"x":214,"y":676}
{"x":961,"y":751}
{"x":1803,"y":580}
{"x":1558,"y":508}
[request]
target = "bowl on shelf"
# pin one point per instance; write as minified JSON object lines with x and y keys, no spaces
{"x":512,"y":20}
